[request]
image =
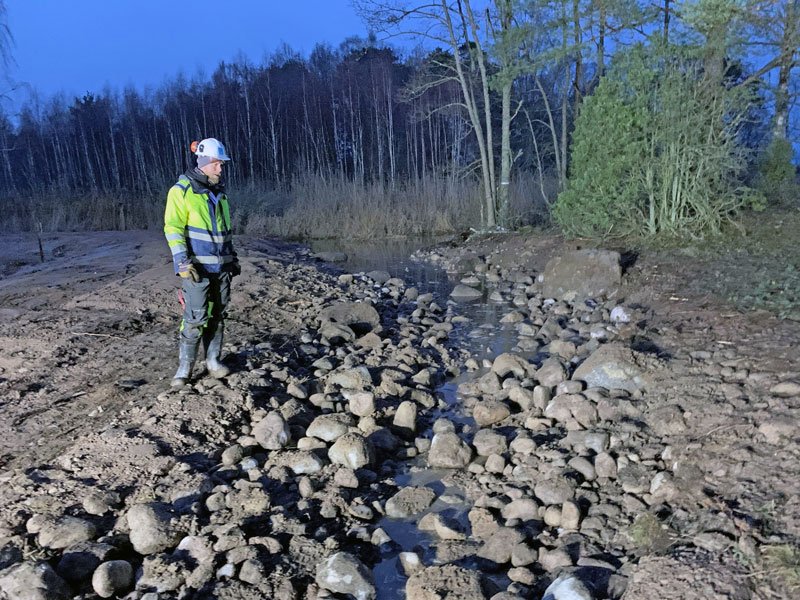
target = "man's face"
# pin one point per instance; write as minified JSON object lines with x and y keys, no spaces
{"x":213,"y":170}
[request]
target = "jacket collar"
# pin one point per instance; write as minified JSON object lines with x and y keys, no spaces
{"x":200,"y":183}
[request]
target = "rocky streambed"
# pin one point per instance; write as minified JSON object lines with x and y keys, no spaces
{"x":386,"y":448}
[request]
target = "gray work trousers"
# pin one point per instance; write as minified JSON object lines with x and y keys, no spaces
{"x":206,"y":306}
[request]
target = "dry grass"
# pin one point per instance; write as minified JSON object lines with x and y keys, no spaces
{"x":311,"y":207}
{"x":784,"y":561}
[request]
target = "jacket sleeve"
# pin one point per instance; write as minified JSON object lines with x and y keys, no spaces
{"x":176,"y":217}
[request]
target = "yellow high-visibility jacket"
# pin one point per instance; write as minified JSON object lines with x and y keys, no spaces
{"x":197,"y":224}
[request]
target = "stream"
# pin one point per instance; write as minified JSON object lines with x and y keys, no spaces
{"x":483,"y":336}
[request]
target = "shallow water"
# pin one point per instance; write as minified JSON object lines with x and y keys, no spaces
{"x":483,"y":336}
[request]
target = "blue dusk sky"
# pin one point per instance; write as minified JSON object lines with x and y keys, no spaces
{"x":75,"y":46}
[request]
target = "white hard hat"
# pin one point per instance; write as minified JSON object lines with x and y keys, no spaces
{"x":212,"y":148}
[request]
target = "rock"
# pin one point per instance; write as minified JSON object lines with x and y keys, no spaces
{"x":232,"y":455}
{"x":552,"y":516}
{"x":523,"y":555}
{"x":33,"y":581}
{"x":272,"y":432}
{"x":551,"y":560}
{"x":635,"y":478}
{"x":330,"y":427}
{"x":112,"y":578}
{"x":488,"y":442}
{"x":360,"y":317}
{"x":447,"y":528}
{"x":350,"y":379}
{"x":778,"y":428}
{"x":151,"y":528}
{"x":567,"y":587}
{"x":252,"y":571}
{"x":511,"y":363}
{"x":500,"y":544}
{"x":297,"y":391}
{"x":522,"y":575}
{"x":489,"y":412}
{"x":570,"y":515}
{"x":78,"y":562}
{"x":449,"y":451}
{"x":406,"y":416}
{"x":465,"y":292}
{"x":482,"y":522}
{"x":551,"y":373}
{"x":343,"y":573}
{"x":65,"y":532}
{"x":410,"y":562}
{"x":303,"y":462}
{"x":582,"y":274}
{"x":584,"y":467}
{"x":495,"y":463}
{"x":554,"y":491}
{"x":379,"y":277}
{"x":524,"y":509}
{"x":521,"y":396}
{"x":332,"y":257}
{"x":446,"y":582}
{"x":409,"y":501}
{"x":99,"y":504}
{"x":605,"y":466}
{"x":362,"y":404}
{"x":667,"y":420}
{"x":336,"y":333}
{"x":785,"y":389}
{"x":352,"y":450}
{"x":612,"y":366}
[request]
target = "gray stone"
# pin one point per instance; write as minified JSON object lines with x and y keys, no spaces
{"x":524,"y":509}
{"x":352,"y":450}
{"x":330,"y":427}
{"x":489,"y":412}
{"x":272,"y":432}
{"x":362,"y":404}
{"x":465,"y":292}
{"x":612,"y":366}
{"x":667,"y":420}
{"x":582,"y":274}
{"x":449,"y":451}
{"x":333,"y":257}
{"x":554,"y":491}
{"x":567,"y":587}
{"x":409,"y":501}
{"x":605,"y":466}
{"x":151,"y":528}
{"x":551,"y":373}
{"x":406,"y":416}
{"x":350,"y":379}
{"x":343,"y":573}
{"x":78,"y":562}
{"x":232,"y":455}
{"x":33,"y":581}
{"x":511,"y":363}
{"x":303,"y":462}
{"x":360,"y":317}
{"x":112,"y":578}
{"x":499,"y":546}
{"x":552,"y":560}
{"x":65,"y":532}
{"x":487,"y":442}
{"x":379,"y":277}
{"x":570,"y":515}
{"x":447,"y":581}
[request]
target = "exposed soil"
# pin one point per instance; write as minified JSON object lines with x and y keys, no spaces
{"x":89,"y":346}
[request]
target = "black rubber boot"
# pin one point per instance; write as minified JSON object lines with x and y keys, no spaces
{"x":187,"y":353}
{"x":213,"y":344}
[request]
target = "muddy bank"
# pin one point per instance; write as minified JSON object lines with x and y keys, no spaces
{"x":618,"y":451}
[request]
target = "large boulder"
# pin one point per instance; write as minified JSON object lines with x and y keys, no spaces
{"x":582,"y":274}
{"x":361,"y":317}
{"x":409,"y":501}
{"x":151,"y":528}
{"x":353,"y":451}
{"x":612,"y":366}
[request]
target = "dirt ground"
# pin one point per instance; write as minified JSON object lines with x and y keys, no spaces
{"x":89,"y":342}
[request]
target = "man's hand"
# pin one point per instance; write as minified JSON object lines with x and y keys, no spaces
{"x":189,"y":271}
{"x":236,"y":268}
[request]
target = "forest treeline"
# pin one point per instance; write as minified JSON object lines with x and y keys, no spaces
{"x":482,"y":119}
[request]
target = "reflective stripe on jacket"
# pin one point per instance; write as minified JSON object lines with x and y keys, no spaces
{"x":197,"y":225}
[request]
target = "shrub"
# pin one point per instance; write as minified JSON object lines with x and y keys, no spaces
{"x":777,"y":177}
{"x":655,"y":152}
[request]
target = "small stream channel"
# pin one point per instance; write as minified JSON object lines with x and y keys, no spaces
{"x":483,"y":336}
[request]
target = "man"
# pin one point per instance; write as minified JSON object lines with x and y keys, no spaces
{"x":198,"y":229}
